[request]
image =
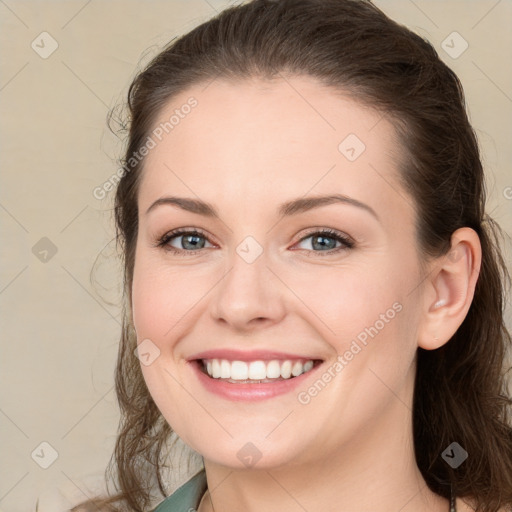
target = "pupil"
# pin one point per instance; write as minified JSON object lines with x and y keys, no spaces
{"x":323,"y":244}
{"x":194,"y":244}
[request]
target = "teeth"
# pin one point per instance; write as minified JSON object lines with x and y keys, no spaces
{"x":286,"y":369}
{"x":215,"y":369}
{"x":273,"y":370}
{"x":239,"y":370}
{"x":256,"y":370}
{"x":225,"y":369}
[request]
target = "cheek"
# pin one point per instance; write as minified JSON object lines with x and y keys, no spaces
{"x":367,"y":318}
{"x":161,"y":298}
{"x":149,"y":303}
{"x":344,"y":301}
{"x":159,"y":306}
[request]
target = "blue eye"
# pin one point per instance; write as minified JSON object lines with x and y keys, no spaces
{"x":325,"y":242}
{"x":191,"y":240}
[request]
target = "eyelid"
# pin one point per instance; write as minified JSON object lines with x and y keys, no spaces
{"x":163,"y":240}
{"x":346,"y":241}
{"x":324,"y":230}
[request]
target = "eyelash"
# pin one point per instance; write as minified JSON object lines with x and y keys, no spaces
{"x":347,"y":243}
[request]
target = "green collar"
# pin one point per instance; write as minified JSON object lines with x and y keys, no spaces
{"x":186,"y":497}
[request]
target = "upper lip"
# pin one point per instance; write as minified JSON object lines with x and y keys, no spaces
{"x":248,"y":355}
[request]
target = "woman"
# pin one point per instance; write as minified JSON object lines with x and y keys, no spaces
{"x":314,"y":293}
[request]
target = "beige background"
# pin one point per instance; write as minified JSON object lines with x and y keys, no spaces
{"x":59,"y":332}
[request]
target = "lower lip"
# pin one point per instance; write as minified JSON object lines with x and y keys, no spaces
{"x":249,"y":392}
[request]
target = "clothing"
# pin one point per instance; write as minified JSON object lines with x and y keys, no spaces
{"x":187,"y":497}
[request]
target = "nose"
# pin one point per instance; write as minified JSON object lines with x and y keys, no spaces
{"x":248,"y":296}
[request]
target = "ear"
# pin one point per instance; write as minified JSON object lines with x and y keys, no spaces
{"x":449,"y":289}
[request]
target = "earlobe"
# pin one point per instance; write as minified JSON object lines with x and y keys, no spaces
{"x":450,"y":289}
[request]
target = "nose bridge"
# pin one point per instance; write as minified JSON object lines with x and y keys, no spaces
{"x":247,"y":291}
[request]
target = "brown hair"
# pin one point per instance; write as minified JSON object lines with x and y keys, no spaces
{"x":350,"y":45}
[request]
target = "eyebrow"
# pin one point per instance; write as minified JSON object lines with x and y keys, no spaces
{"x":289,"y":208}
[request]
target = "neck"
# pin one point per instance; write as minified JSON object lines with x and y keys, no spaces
{"x":376,"y":470}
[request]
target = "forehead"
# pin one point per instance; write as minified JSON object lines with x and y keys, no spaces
{"x":269,"y":140}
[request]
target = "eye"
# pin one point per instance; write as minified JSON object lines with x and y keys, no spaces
{"x":325,"y":241}
{"x":191,"y":241}
{"x":188,"y":241}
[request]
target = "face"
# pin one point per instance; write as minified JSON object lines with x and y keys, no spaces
{"x":273,"y":282}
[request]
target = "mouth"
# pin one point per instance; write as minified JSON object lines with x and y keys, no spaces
{"x":256,"y":372}
{"x":246,"y":379}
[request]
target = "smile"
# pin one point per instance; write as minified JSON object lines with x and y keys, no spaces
{"x":254,"y":372}
{"x":253,"y":379}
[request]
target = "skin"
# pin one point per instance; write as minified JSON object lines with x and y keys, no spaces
{"x":246,"y":148}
